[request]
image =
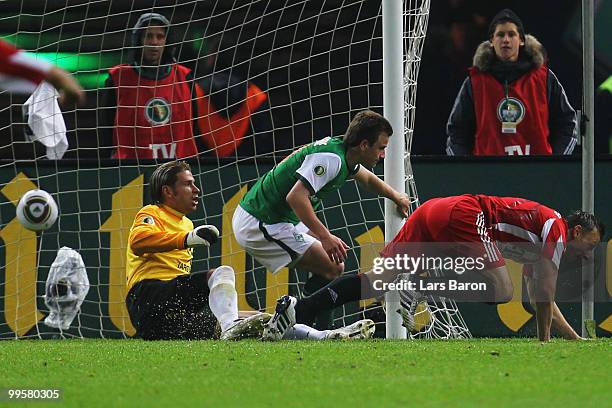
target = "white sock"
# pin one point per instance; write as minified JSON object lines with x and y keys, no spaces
{"x":223,"y":299}
{"x":303,"y":332}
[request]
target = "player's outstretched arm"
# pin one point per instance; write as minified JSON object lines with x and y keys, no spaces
{"x":70,"y":90}
{"x":545,"y":280}
{"x":147,"y":237}
{"x":299,"y":201}
{"x":559,"y":323}
{"x":146,"y":240}
{"x":374,"y":184}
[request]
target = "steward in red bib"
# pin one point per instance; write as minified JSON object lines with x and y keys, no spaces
{"x":511,"y":103}
{"x":148,"y":104}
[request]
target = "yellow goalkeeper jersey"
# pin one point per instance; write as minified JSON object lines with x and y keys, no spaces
{"x":156,"y":245}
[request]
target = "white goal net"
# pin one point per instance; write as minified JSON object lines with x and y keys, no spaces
{"x":264,"y":78}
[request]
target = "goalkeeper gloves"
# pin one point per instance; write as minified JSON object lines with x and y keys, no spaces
{"x":202,"y":235}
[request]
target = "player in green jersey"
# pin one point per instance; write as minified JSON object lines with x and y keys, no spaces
{"x":276,"y":221}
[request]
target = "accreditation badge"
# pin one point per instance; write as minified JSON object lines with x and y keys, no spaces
{"x":510,"y":112}
{"x":508,"y":127}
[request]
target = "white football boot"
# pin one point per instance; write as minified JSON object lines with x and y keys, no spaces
{"x":363,"y":329}
{"x":252,"y":326}
{"x":283,"y":319}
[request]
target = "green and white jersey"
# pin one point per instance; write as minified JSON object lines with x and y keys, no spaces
{"x":320,"y":165}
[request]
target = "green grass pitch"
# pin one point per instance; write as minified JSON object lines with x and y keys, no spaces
{"x":478,"y":373}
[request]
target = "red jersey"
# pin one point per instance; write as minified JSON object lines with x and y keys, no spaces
{"x":538,"y":230}
{"x":154,"y":117}
{"x":512,"y":119}
{"x":495,"y":227}
{"x":20,"y":72}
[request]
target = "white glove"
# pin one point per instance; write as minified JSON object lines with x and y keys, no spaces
{"x":202,"y":235}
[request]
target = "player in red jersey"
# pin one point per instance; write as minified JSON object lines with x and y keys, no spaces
{"x":21,"y":73}
{"x":479,"y":227}
{"x":493,"y":228}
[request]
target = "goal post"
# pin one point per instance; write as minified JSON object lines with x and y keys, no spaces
{"x":404,"y":32}
{"x":588,"y":161}
{"x":393,"y":108}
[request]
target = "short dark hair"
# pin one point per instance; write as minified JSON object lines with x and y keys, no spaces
{"x":587,"y":221}
{"x":165,"y":175}
{"x":366,"y":125}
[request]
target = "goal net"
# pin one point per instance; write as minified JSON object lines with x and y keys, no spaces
{"x":268,"y":77}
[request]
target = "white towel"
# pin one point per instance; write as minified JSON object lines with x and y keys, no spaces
{"x":45,"y":121}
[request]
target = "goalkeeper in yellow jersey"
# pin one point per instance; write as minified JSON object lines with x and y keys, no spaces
{"x":166,"y":300}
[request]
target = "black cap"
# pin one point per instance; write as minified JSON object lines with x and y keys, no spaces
{"x":505,"y":16}
{"x":151,"y":19}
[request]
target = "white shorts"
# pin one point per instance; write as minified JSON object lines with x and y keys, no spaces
{"x":272,"y":245}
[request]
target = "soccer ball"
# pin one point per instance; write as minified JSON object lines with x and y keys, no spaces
{"x":37,"y":210}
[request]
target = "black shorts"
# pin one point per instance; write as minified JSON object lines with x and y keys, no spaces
{"x":172,"y":310}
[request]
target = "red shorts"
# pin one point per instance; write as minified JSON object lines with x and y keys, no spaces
{"x":457,"y":225}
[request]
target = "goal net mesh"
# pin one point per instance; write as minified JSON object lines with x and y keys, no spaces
{"x":268,"y":77}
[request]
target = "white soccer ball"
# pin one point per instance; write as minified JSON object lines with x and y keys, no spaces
{"x":37,"y":210}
